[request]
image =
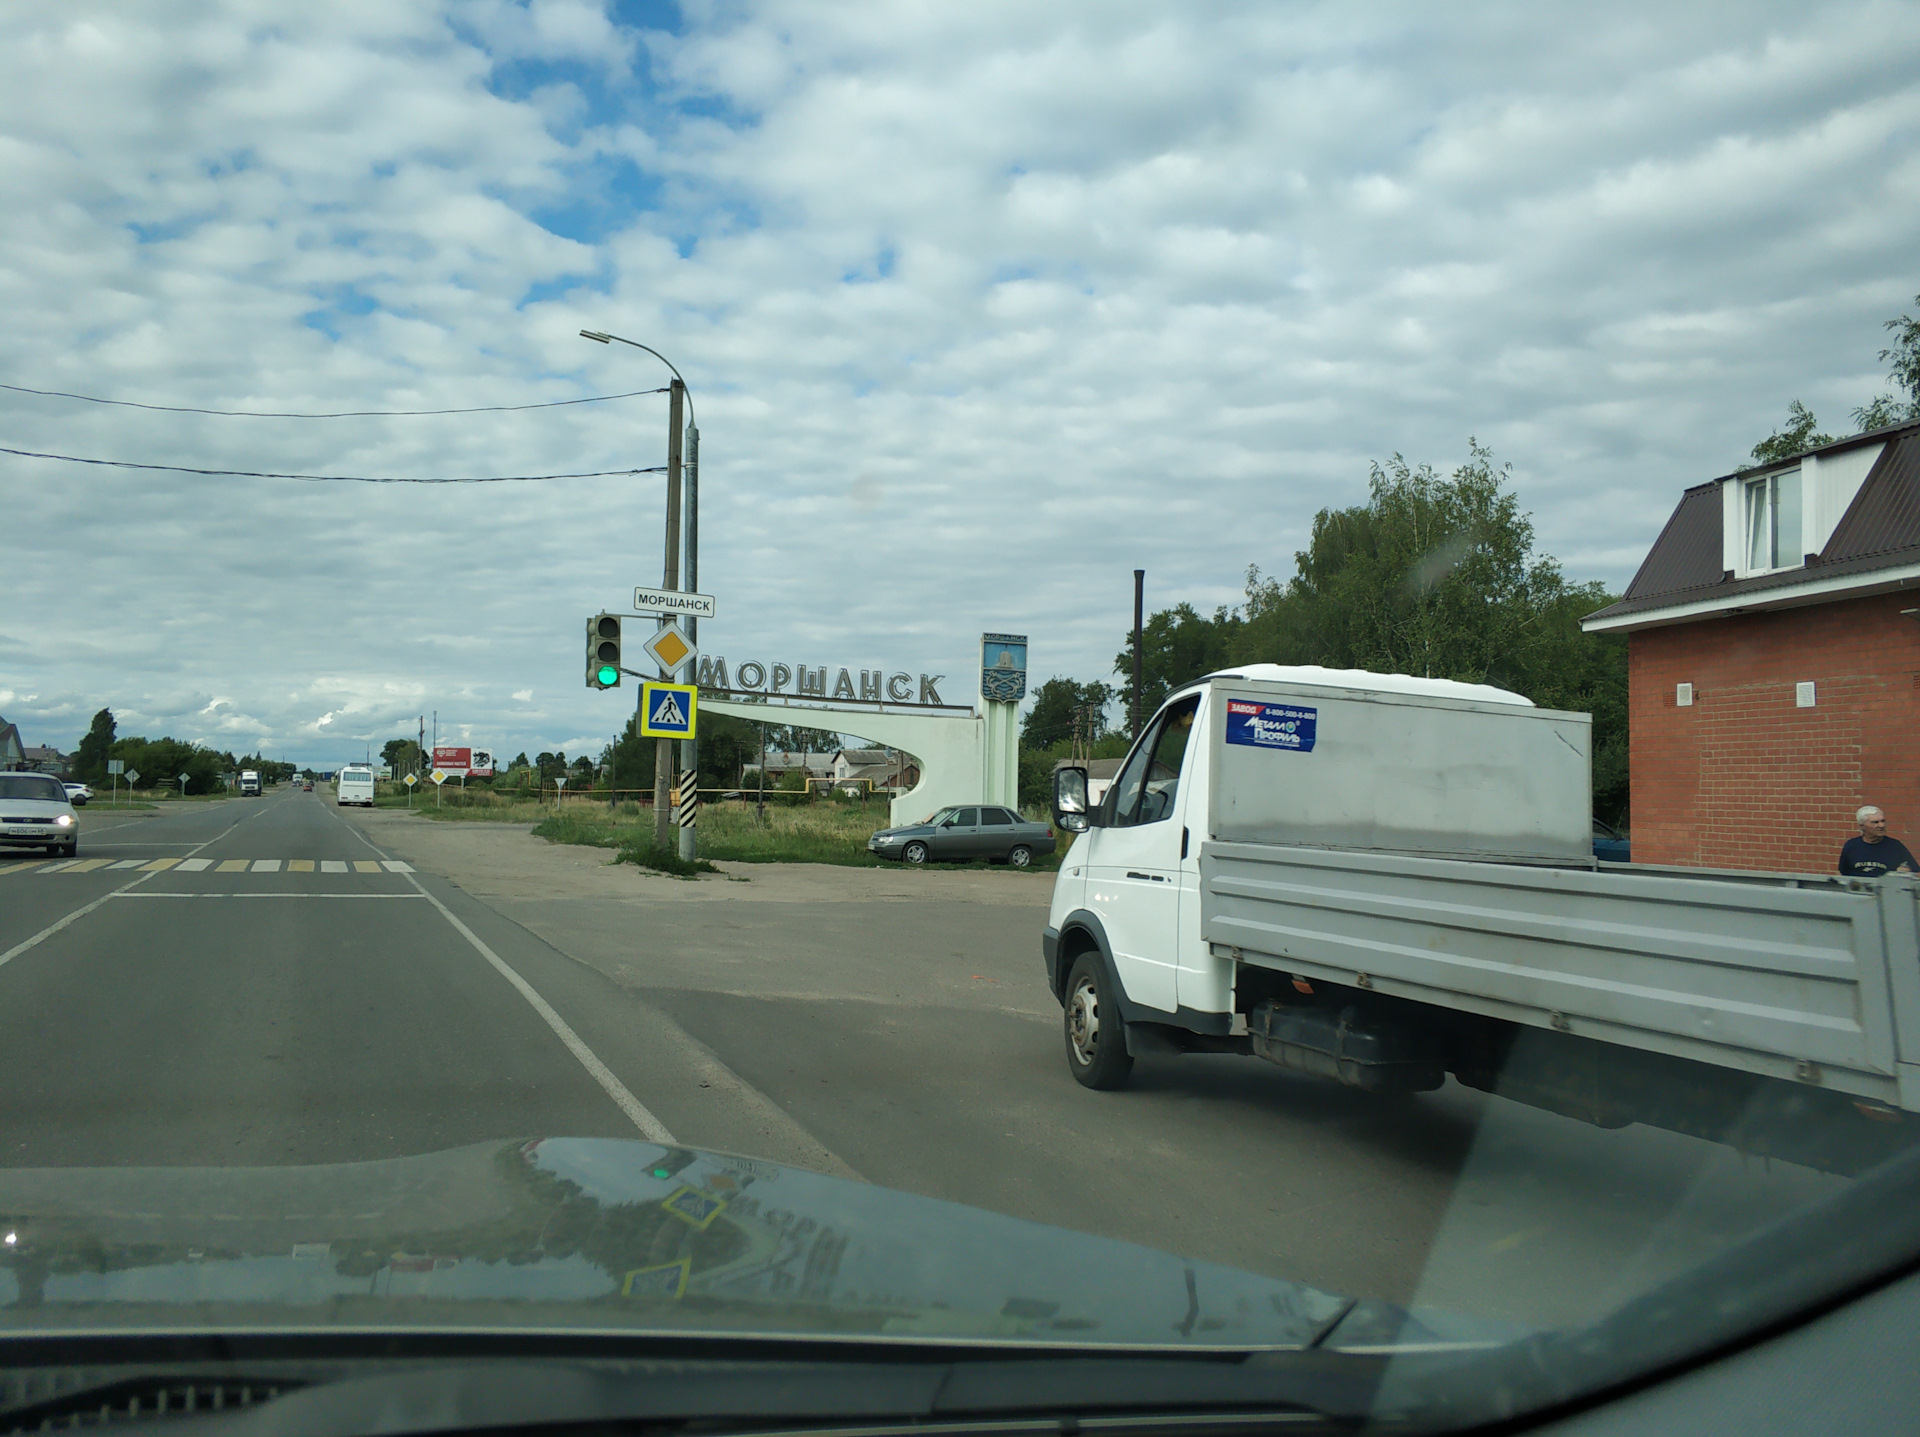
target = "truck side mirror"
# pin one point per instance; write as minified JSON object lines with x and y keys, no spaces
{"x":1070,"y":806}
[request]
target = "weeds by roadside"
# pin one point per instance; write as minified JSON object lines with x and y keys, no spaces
{"x":663,"y":860}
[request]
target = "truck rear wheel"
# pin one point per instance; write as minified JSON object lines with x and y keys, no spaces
{"x":1096,"y":1037}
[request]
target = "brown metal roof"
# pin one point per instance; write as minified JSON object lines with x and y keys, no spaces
{"x":1687,"y":553}
{"x":1884,"y":517}
{"x":1880,"y":530}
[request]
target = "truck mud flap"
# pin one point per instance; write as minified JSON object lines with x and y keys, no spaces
{"x":1374,"y":1052}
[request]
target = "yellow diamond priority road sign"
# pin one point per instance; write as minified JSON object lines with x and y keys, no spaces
{"x":668,"y":648}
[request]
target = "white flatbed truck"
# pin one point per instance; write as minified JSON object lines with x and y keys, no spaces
{"x":1383,"y":880}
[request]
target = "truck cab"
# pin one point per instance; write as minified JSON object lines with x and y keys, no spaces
{"x":249,"y":784}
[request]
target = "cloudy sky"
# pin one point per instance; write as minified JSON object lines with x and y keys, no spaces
{"x":982,"y":306}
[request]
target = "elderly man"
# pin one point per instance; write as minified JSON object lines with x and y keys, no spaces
{"x":1873,"y":853}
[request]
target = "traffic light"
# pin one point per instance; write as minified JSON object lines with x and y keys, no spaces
{"x":603,"y":651}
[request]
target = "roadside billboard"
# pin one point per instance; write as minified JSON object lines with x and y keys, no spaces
{"x":470,"y":762}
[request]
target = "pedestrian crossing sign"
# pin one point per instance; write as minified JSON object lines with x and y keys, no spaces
{"x":668,"y":710}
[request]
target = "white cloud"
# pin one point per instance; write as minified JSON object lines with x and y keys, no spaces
{"x":982,"y":307}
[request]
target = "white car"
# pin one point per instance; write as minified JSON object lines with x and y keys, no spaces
{"x":35,"y":813}
{"x":78,"y":794}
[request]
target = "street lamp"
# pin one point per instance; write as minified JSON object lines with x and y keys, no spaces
{"x":677,"y":394}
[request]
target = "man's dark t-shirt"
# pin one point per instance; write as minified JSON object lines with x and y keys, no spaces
{"x":1860,"y":859}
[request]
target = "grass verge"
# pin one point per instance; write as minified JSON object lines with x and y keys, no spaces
{"x":825,"y":832}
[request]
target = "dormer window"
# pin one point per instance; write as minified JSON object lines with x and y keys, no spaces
{"x":1773,"y":522}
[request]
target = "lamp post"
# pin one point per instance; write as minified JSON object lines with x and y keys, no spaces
{"x":678,"y":394}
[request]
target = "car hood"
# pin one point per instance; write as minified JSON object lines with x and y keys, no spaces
{"x":34,"y":807}
{"x":589,"y":1234}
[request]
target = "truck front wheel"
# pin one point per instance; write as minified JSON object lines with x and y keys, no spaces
{"x":1096,"y":1038}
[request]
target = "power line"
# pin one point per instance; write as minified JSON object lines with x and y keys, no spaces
{"x":343,"y":414}
{"x":329,"y":478}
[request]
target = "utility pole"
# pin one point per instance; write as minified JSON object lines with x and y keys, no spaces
{"x":663,"y":767}
{"x":1139,"y":592}
{"x":690,"y":748}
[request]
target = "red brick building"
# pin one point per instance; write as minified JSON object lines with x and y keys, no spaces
{"x":1774,"y":661}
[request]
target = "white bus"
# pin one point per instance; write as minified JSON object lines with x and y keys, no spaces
{"x":354,"y":785}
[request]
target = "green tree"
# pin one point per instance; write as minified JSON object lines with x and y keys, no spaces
{"x":1904,"y":355}
{"x":1796,"y":436}
{"x":90,"y":756}
{"x":1061,"y":704}
{"x":727,"y":746}
{"x":402,"y":755}
{"x":1177,"y":646}
{"x":1437,"y":576}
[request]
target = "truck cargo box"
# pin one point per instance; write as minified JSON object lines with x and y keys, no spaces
{"x":1342,"y":759}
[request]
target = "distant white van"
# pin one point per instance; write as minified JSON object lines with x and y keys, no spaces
{"x":354,"y":785}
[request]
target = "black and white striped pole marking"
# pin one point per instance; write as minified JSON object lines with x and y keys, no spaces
{"x":689,"y":800}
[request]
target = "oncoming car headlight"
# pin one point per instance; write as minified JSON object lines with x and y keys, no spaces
{"x":65,"y":820}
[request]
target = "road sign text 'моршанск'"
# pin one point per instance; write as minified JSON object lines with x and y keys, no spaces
{"x":810,"y":682}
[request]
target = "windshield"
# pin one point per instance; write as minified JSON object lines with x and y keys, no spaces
{"x":27,"y":785}
{"x":1439,"y":488}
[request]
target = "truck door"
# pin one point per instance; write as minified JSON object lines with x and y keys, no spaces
{"x":1133,"y":868}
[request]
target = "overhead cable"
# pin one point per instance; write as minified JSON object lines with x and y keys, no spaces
{"x":343,"y":414}
{"x":330,"y":478}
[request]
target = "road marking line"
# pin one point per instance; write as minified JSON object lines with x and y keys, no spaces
{"x":299,"y":865}
{"x":361,"y":865}
{"x":129,"y":863}
{"x":81,"y":912}
{"x":156,"y":893}
{"x":232,"y":865}
{"x":267,"y":865}
{"x":160,"y":865}
{"x":195,"y":865}
{"x":53,"y":928}
{"x":23,"y":867}
{"x":394,"y":865}
{"x":651,"y":1128}
{"x":332,"y":865}
{"x":85,"y":865}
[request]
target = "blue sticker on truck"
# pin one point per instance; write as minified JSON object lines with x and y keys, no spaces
{"x":1260,"y":725}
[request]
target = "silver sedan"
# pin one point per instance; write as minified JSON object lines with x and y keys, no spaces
{"x":966,"y":832}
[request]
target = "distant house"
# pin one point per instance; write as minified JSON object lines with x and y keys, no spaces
{"x":12,"y":753}
{"x":46,"y":760}
{"x":883,"y":768}
{"x":814,"y":765}
{"x":1773,"y":660}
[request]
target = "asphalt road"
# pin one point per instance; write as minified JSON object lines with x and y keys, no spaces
{"x":290,"y":989}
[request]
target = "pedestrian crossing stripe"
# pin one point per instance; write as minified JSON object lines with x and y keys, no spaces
{"x":668,"y":710}
{"x":223,"y":865}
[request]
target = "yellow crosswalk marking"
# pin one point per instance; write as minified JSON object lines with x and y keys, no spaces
{"x":22,"y":867}
{"x":299,"y":865}
{"x":86,"y":865}
{"x":361,"y":865}
{"x":233,"y":865}
{"x":160,"y":865}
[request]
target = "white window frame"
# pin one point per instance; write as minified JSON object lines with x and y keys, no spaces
{"x":1765,"y":486}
